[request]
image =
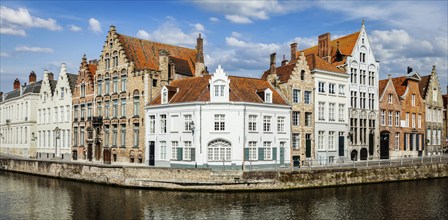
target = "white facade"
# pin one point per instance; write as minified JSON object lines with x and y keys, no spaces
{"x":218,"y":132}
{"x":54,"y":117}
{"x":331,"y":116}
{"x":363,"y":103}
{"x":18,"y":121}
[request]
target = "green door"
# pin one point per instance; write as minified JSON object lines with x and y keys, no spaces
{"x":282,"y":153}
{"x":308,"y":148}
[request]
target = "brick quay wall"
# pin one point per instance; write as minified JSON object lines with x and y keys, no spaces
{"x":207,"y":180}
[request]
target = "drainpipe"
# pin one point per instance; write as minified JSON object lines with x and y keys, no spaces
{"x":200,"y":127}
{"x":244,"y":131}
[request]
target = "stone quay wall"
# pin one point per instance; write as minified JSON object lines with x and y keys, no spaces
{"x":207,"y":180}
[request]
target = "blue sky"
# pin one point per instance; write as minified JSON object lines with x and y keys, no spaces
{"x":239,"y":35}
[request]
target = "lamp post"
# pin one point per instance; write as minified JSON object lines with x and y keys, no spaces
{"x":57,"y":131}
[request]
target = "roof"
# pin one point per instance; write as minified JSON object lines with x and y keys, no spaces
{"x":346,"y":45}
{"x":53,"y":85}
{"x":242,"y":89}
{"x":31,"y":88}
{"x":145,"y":53}
{"x":182,"y":66}
{"x":72,"y":80}
{"x":423,"y":85}
{"x":382,"y":85}
{"x":400,"y":84}
{"x":92,"y":68}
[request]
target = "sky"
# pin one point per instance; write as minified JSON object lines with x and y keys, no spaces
{"x":238,"y":35}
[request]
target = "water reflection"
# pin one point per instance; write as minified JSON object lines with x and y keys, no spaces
{"x":31,"y":197}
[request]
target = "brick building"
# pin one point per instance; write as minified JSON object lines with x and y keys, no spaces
{"x":130,"y":74}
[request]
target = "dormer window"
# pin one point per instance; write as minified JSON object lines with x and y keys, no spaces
{"x":219,"y":86}
{"x":219,"y":90}
{"x":268,"y":96}
{"x":164,"y":96}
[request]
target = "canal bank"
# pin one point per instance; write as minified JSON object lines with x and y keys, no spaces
{"x":208,"y":180}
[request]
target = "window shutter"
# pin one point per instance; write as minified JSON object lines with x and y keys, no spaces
{"x":274,"y":153}
{"x":246,"y":154}
{"x":193,"y":154}
{"x":260,"y":153}
{"x":179,"y":153}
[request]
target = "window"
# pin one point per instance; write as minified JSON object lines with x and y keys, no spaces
{"x":307,"y":97}
{"x":136,"y":134}
{"x":413,"y":120}
{"x":154,"y":83}
{"x":321,"y":111}
{"x":123,"y":107}
{"x":295,"y":118}
{"x":115,"y":108}
{"x":252,"y":123}
{"x":163,"y":150}
{"x":296,"y":141}
{"x":419,"y":121}
{"x":114,"y":135}
{"x":219,"y":150}
{"x":83,"y":112}
{"x":61,"y":117}
{"x":106,"y":109}
{"x":220,"y":122}
{"x":407,"y":119}
{"x":163,"y":124}
{"x":397,"y":140}
{"x":81,"y":138}
{"x":188,"y":122}
{"x":353,"y":98}
{"x":123,"y":136}
{"x":341,"y":90}
{"x":187,"y":150}
{"x":302,"y":75}
{"x":371,"y":78}
{"x":341,"y":112}
{"x":331,"y":88}
{"x":434,"y":95}
{"x":362,"y":57}
{"x":321,"y":87}
{"x":295,"y":96}
{"x":75,"y":136}
{"x":389,"y":99}
{"x":268,"y":97}
{"x":397,"y":119}
{"x":308,"y":116}
{"x":353,"y":75}
{"x":152,"y":124}
{"x":371,"y":101}
{"x":434,"y":138}
{"x":439,"y":137}
{"x":83,"y":90}
{"x":99,"y":88}
{"x":107,"y":83}
{"x":174,"y":145}
{"x":280,"y":124}
{"x":75,"y":113}
{"x":383,"y":117}
{"x":267,"y":123}
{"x":67,"y":113}
{"x":331,"y":112}
{"x":389,"y":119}
{"x":136,"y":105}
{"x":164,"y":96}
{"x":267,"y":150}
{"x":331,"y":140}
{"x":320,"y":140}
{"x":115,"y":79}
{"x":89,"y":110}
{"x":115,"y":59}
{"x":413,"y":99}
{"x":55,"y":114}
{"x":252,"y":150}
{"x":219,"y":90}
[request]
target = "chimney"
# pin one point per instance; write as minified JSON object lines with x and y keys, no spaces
{"x":272,"y":65}
{"x":323,"y":45}
{"x":49,"y":75}
{"x":200,"y":49}
{"x":409,"y":69}
{"x":284,"y":61}
{"x":16,"y":85}
{"x":32,"y":78}
{"x":293,"y":51}
{"x":112,"y":28}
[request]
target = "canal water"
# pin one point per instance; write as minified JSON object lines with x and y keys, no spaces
{"x":32,"y":197}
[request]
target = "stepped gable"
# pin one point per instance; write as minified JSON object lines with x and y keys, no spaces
{"x":423,"y":85}
{"x":242,"y":89}
{"x":72,"y":81}
{"x":346,"y":45}
{"x":145,"y":53}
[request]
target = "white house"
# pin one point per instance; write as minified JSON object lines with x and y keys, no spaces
{"x":54,"y":113}
{"x":18,"y":118}
{"x":218,"y":120}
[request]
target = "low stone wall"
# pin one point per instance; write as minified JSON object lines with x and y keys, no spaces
{"x":205,"y":179}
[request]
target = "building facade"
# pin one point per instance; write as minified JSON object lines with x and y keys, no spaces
{"x":82,"y":112}
{"x":18,"y":115}
{"x":412,"y":143}
{"x":130,"y":73}
{"x":432,"y":95}
{"x":218,"y":121}
{"x":54,"y":111}
{"x":354,"y":55}
{"x":390,"y":120}
{"x":296,"y":84}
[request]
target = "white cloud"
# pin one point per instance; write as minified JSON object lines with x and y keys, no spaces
{"x":74,"y":28}
{"x":95,"y":25}
{"x":14,"y":22}
{"x":34,"y":49}
{"x":213,"y":19}
{"x":171,"y":33}
{"x":4,"y":54}
{"x":238,"y":19}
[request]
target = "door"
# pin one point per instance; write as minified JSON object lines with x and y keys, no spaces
{"x":282,"y":153}
{"x":151,"y":153}
{"x":296,"y":161}
{"x":341,"y":146}
{"x":89,"y":152}
{"x":97,"y":151}
{"x":308,"y":145}
{"x":384,"y":145}
{"x":363,"y":155}
{"x":106,"y":155}
{"x":371,"y":144}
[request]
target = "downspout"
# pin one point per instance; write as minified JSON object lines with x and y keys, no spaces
{"x":244,"y":131}
{"x":200,"y":127}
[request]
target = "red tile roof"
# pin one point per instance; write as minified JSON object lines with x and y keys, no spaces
{"x":400,"y":84}
{"x":346,"y":45}
{"x":382,"y":85}
{"x":423,"y":85}
{"x":92,"y":68}
{"x":242,"y":89}
{"x":145,"y":53}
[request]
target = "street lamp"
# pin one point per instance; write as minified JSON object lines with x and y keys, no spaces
{"x":57,"y":131}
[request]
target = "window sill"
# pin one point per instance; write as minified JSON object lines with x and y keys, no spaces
{"x":186,"y":131}
{"x":268,"y":132}
{"x":175,"y":132}
{"x":220,"y":132}
{"x":281,"y":132}
{"x":253,"y":132}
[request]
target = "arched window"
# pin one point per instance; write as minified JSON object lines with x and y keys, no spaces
{"x":219,"y":150}
{"x":136,"y":102}
{"x":107,"y":83}
{"x":123,"y":80}
{"x":115,"y":58}
{"x":107,"y":61}
{"x":302,"y":75}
